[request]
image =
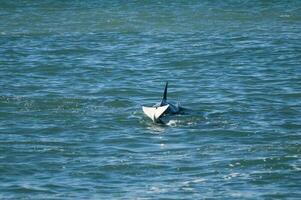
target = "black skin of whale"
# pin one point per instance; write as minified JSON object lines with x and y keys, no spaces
{"x":172,"y":109}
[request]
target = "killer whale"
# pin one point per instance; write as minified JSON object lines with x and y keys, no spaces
{"x":160,"y":109}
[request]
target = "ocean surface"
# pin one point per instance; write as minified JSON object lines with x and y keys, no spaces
{"x":74,"y":75}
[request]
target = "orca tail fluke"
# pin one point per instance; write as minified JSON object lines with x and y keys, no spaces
{"x":155,"y":112}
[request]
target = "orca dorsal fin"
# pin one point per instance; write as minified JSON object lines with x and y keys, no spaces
{"x":165,"y":92}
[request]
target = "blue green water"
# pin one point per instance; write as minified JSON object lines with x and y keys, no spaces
{"x":74,"y":75}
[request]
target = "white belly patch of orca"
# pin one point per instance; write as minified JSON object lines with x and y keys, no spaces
{"x":157,"y":111}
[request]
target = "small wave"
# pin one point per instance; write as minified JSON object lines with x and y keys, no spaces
{"x":172,"y":122}
{"x":181,"y":122}
{"x":198,"y":180}
{"x":175,"y":123}
{"x":285,"y":16}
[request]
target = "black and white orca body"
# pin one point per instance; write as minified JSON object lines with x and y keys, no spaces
{"x":162,"y":108}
